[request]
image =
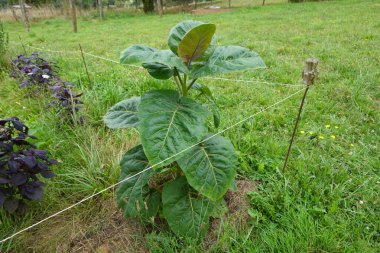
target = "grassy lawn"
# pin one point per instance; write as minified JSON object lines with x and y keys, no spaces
{"x":328,"y":199}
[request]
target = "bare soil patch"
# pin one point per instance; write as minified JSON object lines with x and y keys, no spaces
{"x":102,"y":230}
{"x":237,"y":216}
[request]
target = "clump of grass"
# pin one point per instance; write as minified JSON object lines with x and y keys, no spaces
{"x":4,"y":43}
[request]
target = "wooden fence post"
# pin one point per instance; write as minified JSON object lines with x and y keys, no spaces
{"x":14,"y":13}
{"x":159,"y":7}
{"x":309,"y":75}
{"x":73,"y":15}
{"x":100,"y":5}
{"x":24,"y":15}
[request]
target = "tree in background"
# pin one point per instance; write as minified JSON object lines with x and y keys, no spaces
{"x":148,"y":6}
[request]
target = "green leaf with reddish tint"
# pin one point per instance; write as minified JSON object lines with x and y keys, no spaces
{"x":196,"y":42}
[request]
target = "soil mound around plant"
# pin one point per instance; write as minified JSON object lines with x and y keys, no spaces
{"x":237,"y":216}
{"x":103,"y":229}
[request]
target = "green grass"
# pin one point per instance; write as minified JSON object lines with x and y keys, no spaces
{"x":327,"y":201}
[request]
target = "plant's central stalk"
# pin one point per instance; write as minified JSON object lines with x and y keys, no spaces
{"x":181,"y":83}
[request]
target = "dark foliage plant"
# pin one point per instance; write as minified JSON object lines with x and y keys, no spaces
{"x":21,"y":166}
{"x":193,"y":167}
{"x":37,"y":74}
{"x":66,"y":101}
{"x":34,"y":72}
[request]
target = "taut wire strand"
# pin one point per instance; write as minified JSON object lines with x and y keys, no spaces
{"x":148,"y":168}
{"x":139,"y":67}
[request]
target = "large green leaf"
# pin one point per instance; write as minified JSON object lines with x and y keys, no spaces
{"x":210,"y":167}
{"x":123,"y":114}
{"x":179,"y":31}
{"x":196,"y":42}
{"x":143,"y":54}
{"x":227,"y":59}
{"x":169,"y":124}
{"x":133,"y":195}
{"x":158,"y":70}
{"x":187,"y":216}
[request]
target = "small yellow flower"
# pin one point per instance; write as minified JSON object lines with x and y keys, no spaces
{"x":351,"y":145}
{"x":333,"y":137}
{"x":311,"y":133}
{"x":302,"y":132}
{"x":327,"y":126}
{"x":321,"y":137}
{"x":336,"y":127}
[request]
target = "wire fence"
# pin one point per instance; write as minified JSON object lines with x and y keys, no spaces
{"x":157,"y":164}
{"x":78,"y":52}
{"x":150,"y":167}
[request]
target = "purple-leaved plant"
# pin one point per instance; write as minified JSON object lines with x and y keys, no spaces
{"x":34,"y":72}
{"x":37,"y":74}
{"x":21,"y":166}
{"x":66,"y":101}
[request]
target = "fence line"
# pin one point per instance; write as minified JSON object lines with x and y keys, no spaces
{"x":150,"y":167}
{"x":139,"y":67}
{"x":106,"y":59}
{"x":254,"y":81}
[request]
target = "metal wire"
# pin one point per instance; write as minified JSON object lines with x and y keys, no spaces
{"x":150,"y":167}
{"x":139,"y":67}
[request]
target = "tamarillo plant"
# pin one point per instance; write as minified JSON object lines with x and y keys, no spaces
{"x":186,"y":185}
{"x":20,"y":165}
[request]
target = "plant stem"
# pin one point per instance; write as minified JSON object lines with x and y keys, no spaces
{"x":191,"y":84}
{"x":178,"y":84}
{"x":178,"y":81}
{"x":184,"y":90}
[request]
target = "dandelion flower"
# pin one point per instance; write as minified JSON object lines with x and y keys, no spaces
{"x":321,"y":137}
{"x":336,"y":127}
{"x":333,"y":137}
{"x":302,"y":132}
{"x":327,"y":126}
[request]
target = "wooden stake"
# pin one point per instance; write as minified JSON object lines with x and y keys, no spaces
{"x":263,"y":2}
{"x":85,"y":66}
{"x":100,"y":5}
{"x":73,"y":15}
{"x":309,"y":75}
{"x":159,"y":7}
{"x":14,"y":13}
{"x":24,"y":15}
